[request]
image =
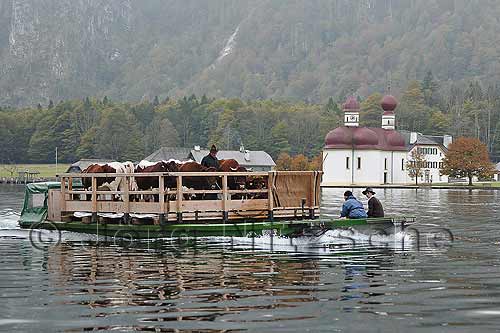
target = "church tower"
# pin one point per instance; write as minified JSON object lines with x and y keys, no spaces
{"x":351,"y":112}
{"x":388,"y":104}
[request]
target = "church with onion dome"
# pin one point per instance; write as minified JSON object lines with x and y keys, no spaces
{"x":355,"y":155}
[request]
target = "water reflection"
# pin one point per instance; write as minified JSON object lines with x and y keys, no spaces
{"x":212,"y":286}
{"x":145,"y":289}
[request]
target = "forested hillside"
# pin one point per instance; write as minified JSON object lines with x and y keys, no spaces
{"x":95,"y":127}
{"x":307,"y":50}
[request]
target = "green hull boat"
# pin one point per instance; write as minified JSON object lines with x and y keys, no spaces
{"x":36,"y":211}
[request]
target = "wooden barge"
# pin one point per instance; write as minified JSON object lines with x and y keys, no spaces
{"x":286,"y":204}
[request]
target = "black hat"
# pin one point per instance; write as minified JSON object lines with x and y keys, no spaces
{"x":347,"y":193}
{"x":213,"y":148}
{"x":368,"y":189}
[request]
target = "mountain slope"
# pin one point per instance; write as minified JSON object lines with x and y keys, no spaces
{"x":299,"y":50}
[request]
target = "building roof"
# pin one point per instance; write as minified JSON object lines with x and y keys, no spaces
{"x":246,"y":158}
{"x":365,"y":138}
{"x":84,"y":163}
{"x":424,"y":140}
{"x":429,"y":140}
{"x":167,"y":153}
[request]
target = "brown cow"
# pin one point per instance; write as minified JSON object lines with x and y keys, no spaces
{"x":98,"y":168}
{"x":110,"y":183}
{"x":198,"y":183}
{"x":146,"y":183}
{"x":256,"y":183}
{"x":233,"y":182}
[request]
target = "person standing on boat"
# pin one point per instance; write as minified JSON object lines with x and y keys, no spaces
{"x":352,"y":207}
{"x":211,"y":161}
{"x":375,"y":208}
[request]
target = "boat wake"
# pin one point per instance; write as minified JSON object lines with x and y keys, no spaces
{"x":328,"y":242}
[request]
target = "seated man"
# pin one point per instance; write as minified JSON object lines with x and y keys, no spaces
{"x":352,"y":208}
{"x":375,"y":208}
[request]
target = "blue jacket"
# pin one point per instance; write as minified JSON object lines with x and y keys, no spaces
{"x":353,"y":209}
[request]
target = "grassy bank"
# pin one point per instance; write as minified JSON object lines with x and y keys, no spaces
{"x":474,"y":184}
{"x":46,"y":170}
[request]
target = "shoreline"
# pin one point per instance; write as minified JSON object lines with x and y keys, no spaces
{"x":420,"y":187}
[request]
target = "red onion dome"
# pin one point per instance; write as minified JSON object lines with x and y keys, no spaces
{"x":338,"y":137}
{"x":388,"y":103}
{"x":351,"y":137}
{"x":351,"y":104}
{"x":364,"y":136}
{"x":394,"y":139}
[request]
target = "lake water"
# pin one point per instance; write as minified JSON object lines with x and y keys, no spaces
{"x":438,"y":282}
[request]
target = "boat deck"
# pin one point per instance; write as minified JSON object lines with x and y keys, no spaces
{"x":277,"y":195}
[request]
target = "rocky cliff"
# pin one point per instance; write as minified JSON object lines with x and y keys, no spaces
{"x":297,"y":49}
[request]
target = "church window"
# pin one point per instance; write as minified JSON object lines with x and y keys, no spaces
{"x":359,"y":162}
{"x":402,"y":164}
{"x":385,"y":164}
{"x":347,"y":162}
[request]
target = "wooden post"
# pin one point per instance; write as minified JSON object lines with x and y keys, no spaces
{"x":94,"y":199}
{"x":70,"y":187}
{"x":161,"y":199}
{"x":179,"y":198}
{"x":270,"y":198}
{"x":312,"y":195}
{"x":225,"y":214}
{"x":126,"y":200}
{"x":63,"y":194}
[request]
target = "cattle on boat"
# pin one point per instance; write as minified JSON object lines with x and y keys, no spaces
{"x":233,"y":182}
{"x":146,"y":183}
{"x":241,"y":182}
{"x":110,"y":183}
{"x":199,"y":183}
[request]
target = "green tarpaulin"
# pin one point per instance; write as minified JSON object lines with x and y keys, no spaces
{"x":35,"y":202}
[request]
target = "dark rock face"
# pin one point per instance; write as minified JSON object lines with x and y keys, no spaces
{"x":56,"y":49}
{"x":298,"y":50}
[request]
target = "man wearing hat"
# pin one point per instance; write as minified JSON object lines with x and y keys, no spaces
{"x":375,"y":208}
{"x":211,"y":161}
{"x":352,"y":207}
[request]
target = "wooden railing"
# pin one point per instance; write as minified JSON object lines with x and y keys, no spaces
{"x":286,"y":194}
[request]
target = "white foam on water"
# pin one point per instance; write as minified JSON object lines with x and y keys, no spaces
{"x":344,"y":238}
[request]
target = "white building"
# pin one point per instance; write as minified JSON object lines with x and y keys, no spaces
{"x":356,"y":155}
{"x":434,"y":149}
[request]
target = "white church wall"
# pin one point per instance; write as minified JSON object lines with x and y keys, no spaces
{"x":371,"y":169}
{"x":400,"y":175}
{"x":370,"y":172}
{"x":334,"y":167}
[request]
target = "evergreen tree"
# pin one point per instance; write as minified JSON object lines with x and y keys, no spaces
{"x":204,"y":99}
{"x":156,"y":101}
{"x":430,"y":88}
{"x":87,"y":104}
{"x":51,"y":104}
{"x":118,"y":136}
